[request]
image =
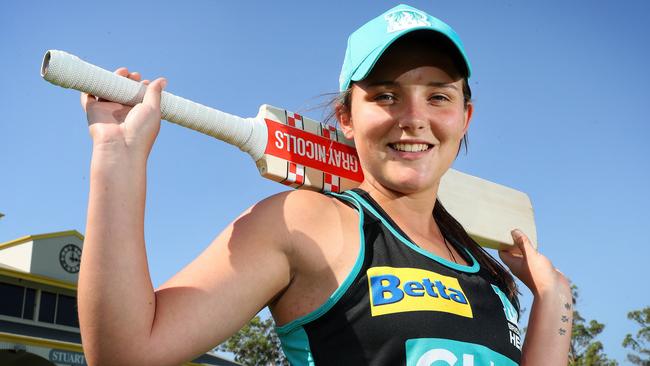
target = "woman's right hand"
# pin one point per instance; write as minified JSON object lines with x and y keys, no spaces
{"x":117,"y":125}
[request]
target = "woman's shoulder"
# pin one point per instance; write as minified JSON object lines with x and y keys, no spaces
{"x":301,"y":207}
{"x":288,"y":217}
{"x":301,"y":216}
{"x":322,"y":238}
{"x":300,"y":223}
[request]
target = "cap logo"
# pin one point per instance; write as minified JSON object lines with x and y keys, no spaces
{"x":405,"y":19}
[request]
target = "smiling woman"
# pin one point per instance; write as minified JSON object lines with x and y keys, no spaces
{"x":409,"y":113}
{"x":379,"y":275}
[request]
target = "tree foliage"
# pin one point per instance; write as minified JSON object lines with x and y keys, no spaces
{"x":638,"y":343}
{"x":585,"y":349}
{"x":256,"y":344}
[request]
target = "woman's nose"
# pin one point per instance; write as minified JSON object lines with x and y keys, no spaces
{"x":413,"y":115}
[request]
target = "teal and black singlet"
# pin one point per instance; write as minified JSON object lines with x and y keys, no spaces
{"x":401,"y":305}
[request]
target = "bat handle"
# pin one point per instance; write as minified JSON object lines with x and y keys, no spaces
{"x":69,"y":71}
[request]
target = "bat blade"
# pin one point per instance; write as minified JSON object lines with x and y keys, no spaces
{"x":487,"y":210}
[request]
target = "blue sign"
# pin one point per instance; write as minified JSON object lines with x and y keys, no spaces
{"x":67,"y":358}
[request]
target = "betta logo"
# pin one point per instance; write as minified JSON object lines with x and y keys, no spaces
{"x":395,"y":290}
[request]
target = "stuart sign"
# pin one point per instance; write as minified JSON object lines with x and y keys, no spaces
{"x":67,"y":358}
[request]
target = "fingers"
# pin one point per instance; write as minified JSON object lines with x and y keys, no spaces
{"x":514,"y":261}
{"x":124,"y":72}
{"x":522,"y":242}
{"x":515,"y":256}
{"x":154,"y":89}
{"x":508,"y":257}
{"x":135,"y":76}
{"x":88,"y":99}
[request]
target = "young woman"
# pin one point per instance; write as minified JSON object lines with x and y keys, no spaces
{"x":380,"y":275}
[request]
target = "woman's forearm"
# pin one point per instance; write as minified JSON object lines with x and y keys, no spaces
{"x":116,"y":298}
{"x":549,"y":329}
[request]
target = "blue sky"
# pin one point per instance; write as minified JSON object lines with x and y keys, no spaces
{"x":560,"y":93}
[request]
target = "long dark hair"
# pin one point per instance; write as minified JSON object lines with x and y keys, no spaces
{"x":450,"y":227}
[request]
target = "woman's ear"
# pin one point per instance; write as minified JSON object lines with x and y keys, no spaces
{"x":469,"y":109}
{"x":345,"y":120}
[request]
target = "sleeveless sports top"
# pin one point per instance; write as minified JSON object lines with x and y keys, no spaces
{"x":402,"y":305}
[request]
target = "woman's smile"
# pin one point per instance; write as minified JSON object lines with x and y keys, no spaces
{"x":410,"y":149}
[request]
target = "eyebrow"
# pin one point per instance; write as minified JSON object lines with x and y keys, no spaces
{"x":437,"y":84}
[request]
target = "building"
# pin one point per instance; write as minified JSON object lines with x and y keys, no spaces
{"x":39,"y":325}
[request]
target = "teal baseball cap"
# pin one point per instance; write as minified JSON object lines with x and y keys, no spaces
{"x":368,"y":43}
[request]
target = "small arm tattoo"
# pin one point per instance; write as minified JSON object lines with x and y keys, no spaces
{"x":565,"y":319}
{"x":562,"y":331}
{"x":567,"y":306}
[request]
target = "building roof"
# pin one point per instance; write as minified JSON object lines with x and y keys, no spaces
{"x":28,"y":238}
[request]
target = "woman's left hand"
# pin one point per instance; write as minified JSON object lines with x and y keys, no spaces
{"x":550,"y":321}
{"x":532,"y":268}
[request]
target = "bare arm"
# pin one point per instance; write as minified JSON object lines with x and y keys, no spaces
{"x":549,"y":326}
{"x":114,"y":278}
{"x":123,"y":320}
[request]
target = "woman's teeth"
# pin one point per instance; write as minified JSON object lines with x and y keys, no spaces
{"x":410,"y":147}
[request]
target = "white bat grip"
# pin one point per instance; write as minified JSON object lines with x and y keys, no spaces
{"x":69,"y":71}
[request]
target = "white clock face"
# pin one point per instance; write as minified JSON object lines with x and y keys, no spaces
{"x":70,"y":258}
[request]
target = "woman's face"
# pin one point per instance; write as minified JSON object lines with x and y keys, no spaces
{"x":407,"y":118}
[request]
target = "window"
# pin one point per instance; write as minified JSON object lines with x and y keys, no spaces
{"x":20,"y":302}
{"x":66,"y":311}
{"x":48,"y":307}
{"x":30,"y":303}
{"x":12,"y":299}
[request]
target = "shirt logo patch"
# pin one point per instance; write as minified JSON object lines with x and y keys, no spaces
{"x":512,"y":316}
{"x":397,"y":290}
{"x":447,"y":352}
{"x":405,"y":19}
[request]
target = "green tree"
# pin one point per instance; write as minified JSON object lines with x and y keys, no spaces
{"x":585,"y":349}
{"x":256,"y":344}
{"x":638,"y":342}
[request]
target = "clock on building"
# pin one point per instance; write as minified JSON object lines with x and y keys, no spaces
{"x":70,"y":258}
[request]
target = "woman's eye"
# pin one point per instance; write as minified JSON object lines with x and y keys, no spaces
{"x":439,"y":98}
{"x":385,"y":98}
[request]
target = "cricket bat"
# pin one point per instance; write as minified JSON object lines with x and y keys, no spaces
{"x":302,"y":153}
